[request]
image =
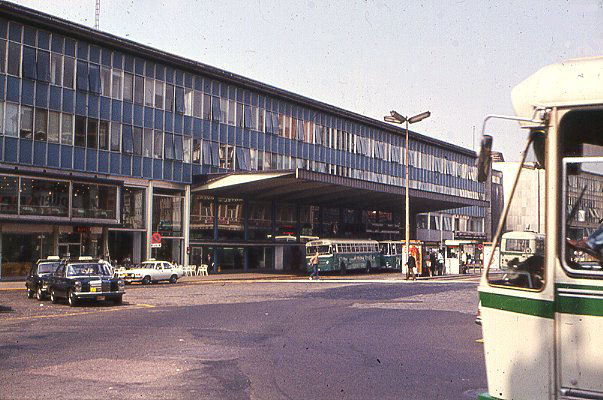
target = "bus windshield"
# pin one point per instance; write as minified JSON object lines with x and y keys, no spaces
{"x":322,"y":250}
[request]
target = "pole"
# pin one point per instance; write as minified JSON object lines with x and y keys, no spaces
{"x":407,"y":205}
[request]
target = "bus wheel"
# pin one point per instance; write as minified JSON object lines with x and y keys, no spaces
{"x":343,"y":269}
{"x":368,"y":267}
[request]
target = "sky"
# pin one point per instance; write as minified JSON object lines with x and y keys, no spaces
{"x":458,"y":59}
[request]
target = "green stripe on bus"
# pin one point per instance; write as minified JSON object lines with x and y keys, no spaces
{"x":583,"y":287}
{"x":486,"y":396}
{"x":580,"y":306}
{"x":521,"y":305}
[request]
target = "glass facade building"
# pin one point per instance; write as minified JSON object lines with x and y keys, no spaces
{"x":104,"y":141}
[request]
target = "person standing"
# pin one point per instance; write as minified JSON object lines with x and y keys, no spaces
{"x":411,"y":265}
{"x":440,"y":263}
{"x":433,"y":261}
{"x":314,"y":263}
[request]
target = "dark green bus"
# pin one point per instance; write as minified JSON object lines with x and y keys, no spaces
{"x":343,"y":255}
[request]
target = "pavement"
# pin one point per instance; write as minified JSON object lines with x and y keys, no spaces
{"x":19,"y":283}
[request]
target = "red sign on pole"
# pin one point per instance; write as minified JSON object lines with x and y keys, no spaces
{"x":156,"y":238}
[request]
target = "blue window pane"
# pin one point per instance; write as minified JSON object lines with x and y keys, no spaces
{"x":29,"y":36}
{"x":14,"y":31}
{"x":127,"y":139}
{"x":29,"y":62}
{"x":95,"y":54}
{"x":57,"y":43}
{"x":106,"y":57}
{"x":82,"y":50}
{"x":168,"y":143}
{"x":42,"y":95}
{"x":43,"y":40}
{"x":43,"y":66}
{"x":117,"y":60}
{"x":55,"y":98}
{"x":68,"y":100}
{"x":27,"y":92}
{"x":94,"y":79}
{"x":70,"y":47}
{"x":82,"y":76}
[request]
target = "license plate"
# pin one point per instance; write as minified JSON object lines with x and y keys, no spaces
{"x":93,"y":289}
{"x":100,"y":298}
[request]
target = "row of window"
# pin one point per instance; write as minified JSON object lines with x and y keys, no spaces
{"x":142,"y":82}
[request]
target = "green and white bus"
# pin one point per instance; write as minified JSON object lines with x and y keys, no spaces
{"x":516,"y":247}
{"x":391,"y":254}
{"x":343,"y":255}
{"x":542,"y":323}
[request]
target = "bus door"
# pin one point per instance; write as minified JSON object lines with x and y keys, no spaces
{"x":517,"y":312}
{"x":580,"y":286}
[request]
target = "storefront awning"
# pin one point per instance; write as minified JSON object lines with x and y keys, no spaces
{"x":308,"y":187}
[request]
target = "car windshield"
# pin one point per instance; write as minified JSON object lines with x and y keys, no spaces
{"x":88,"y":269}
{"x":47,"y":268}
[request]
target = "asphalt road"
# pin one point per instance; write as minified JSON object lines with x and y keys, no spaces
{"x":248,"y":340}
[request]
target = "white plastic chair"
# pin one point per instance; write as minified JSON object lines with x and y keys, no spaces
{"x":203,"y":270}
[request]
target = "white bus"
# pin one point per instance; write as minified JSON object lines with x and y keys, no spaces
{"x":543,"y":327}
{"x":516,"y":247}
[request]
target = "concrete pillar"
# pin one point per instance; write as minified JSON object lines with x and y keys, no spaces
{"x":137,"y":244}
{"x":105,"y":243}
{"x":216,"y":254}
{"x":55,"y":240}
{"x":1,"y":251}
{"x":186,"y":220}
{"x":148,"y":220}
{"x":245,"y":259}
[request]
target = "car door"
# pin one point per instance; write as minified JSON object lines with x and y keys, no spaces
{"x":58,"y":281}
{"x":166,"y":270}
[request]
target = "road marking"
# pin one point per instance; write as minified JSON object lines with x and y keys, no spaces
{"x":70,"y":314}
{"x":13,"y":288}
{"x":480,"y":340}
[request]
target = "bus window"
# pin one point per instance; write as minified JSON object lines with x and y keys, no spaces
{"x":322,"y":250}
{"x":519,"y":245}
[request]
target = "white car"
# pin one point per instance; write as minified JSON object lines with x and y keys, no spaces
{"x":152,"y":271}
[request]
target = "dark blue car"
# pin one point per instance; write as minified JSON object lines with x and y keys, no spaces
{"x":39,"y":274}
{"x":85,"y":278}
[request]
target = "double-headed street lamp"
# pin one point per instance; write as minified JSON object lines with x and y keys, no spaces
{"x":396,"y":118}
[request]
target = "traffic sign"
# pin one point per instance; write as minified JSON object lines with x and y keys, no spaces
{"x":156,"y":238}
{"x":155,"y":245}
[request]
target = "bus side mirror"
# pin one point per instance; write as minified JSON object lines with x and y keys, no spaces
{"x":538,"y":145}
{"x":483,"y":161}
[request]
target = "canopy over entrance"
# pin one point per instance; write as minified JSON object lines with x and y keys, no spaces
{"x":308,"y":187}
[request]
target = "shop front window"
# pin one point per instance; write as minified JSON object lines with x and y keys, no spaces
{"x":260,"y":220}
{"x":309,"y":218}
{"x":39,"y":197}
{"x":132,"y":208}
{"x":8,"y":194}
{"x":94,"y":201}
{"x":230,"y":219}
{"x":202,"y":217}
{"x":286,"y":222}
{"x":167,"y":214}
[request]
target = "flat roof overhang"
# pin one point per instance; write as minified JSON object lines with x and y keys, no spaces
{"x":314,"y":188}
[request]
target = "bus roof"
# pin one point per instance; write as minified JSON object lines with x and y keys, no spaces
{"x":322,"y":242}
{"x":574,"y":82}
{"x":522,"y":235}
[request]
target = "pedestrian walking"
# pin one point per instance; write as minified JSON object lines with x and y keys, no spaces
{"x":314,"y":263}
{"x":411,"y":265}
{"x":440,"y":263}
{"x":433,"y":261}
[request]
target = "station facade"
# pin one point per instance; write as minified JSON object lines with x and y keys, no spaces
{"x":104,"y":142}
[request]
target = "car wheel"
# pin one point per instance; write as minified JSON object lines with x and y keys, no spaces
{"x":117,"y":300}
{"x":39,"y":294}
{"x":53,"y":297}
{"x":30,"y":293}
{"x":146,"y":280}
{"x":174,"y":278}
{"x":71,"y":299}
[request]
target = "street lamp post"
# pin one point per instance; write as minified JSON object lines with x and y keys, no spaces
{"x":396,"y":118}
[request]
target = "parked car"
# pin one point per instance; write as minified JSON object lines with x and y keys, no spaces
{"x":152,"y":271}
{"x":85,"y":278}
{"x":39,"y":274}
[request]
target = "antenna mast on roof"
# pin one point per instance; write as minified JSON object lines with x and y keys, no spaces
{"x":97,"y":14}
